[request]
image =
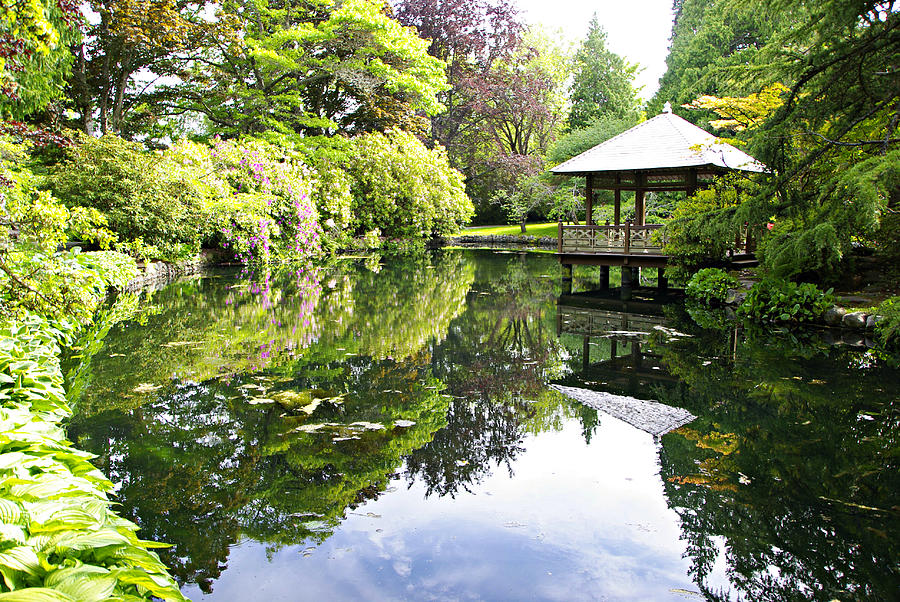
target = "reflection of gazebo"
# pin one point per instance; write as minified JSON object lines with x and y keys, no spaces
{"x":665,"y":153}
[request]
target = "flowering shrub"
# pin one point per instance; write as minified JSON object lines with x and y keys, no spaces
{"x":258,"y":199}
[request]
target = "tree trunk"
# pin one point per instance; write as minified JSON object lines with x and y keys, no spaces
{"x":522,"y":226}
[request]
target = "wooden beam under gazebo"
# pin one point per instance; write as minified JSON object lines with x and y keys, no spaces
{"x":665,"y":153}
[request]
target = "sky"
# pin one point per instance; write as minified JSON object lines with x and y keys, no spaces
{"x":637,"y":30}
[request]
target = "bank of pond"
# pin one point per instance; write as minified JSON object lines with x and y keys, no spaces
{"x":427,"y":428}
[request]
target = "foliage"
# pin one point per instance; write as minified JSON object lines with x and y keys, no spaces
{"x":404,"y":189}
{"x":713,"y":41}
{"x":710,"y":286}
{"x":472,"y":38}
{"x":530,"y":194}
{"x":309,"y":67}
{"x":34,"y":57}
{"x":774,"y":300}
{"x":267,"y":211}
{"x":143,"y":196}
{"x":125,"y":48}
{"x":34,"y":275}
{"x":61,"y":536}
{"x":806,"y":86}
{"x":603,"y":82}
{"x":888,"y":326}
{"x":704,"y":226}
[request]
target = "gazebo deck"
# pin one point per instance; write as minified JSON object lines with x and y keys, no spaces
{"x":626,"y":244}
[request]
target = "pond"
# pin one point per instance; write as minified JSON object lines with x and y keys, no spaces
{"x":412,"y":430}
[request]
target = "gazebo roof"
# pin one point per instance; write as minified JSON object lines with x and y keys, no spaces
{"x":664,"y":142}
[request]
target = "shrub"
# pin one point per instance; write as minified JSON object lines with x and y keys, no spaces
{"x":143,"y":196}
{"x":258,"y":199}
{"x":710,"y":286}
{"x":888,"y":327}
{"x":774,"y":300}
{"x":404,"y":189}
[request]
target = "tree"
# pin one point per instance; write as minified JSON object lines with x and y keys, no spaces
{"x":828,"y":136}
{"x":470,"y":37}
{"x":123,"y":54}
{"x":33,"y":54}
{"x":311,"y":68}
{"x":603,"y":81}
{"x":713,"y":42}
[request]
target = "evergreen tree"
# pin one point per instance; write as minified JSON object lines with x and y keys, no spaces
{"x":603,"y":83}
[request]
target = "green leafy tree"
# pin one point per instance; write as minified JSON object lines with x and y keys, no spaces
{"x":603,"y":81}
{"x":125,"y":48}
{"x":312,"y":68}
{"x":34,"y":54}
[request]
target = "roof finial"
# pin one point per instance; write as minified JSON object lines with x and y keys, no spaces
{"x":667,"y":108}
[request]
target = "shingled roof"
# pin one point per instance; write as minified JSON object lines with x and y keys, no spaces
{"x":664,"y":142}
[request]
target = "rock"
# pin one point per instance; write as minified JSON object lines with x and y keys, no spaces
{"x":871,"y":321}
{"x":735,"y":297}
{"x":856,"y":319}
{"x":835,"y":315}
{"x":730,"y":314}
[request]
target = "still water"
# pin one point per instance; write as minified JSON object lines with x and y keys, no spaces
{"x":392,"y":430}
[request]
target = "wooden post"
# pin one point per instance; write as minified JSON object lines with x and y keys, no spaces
{"x":567,"y":279}
{"x":617,"y":211}
{"x":589,"y":199}
{"x":691,"y":182}
{"x":613,"y":351}
{"x":627,"y":237}
{"x":662,"y":283}
{"x":639,"y":199}
{"x":604,"y":277}
{"x":626,"y":276}
{"x":559,"y":236}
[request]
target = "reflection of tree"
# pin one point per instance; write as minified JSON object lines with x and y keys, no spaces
{"x":495,"y":361}
{"x":506,"y":342}
{"x":794,"y":461}
{"x":207,"y":463}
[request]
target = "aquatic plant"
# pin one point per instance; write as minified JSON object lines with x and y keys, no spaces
{"x":710,"y":286}
{"x":775,"y":300}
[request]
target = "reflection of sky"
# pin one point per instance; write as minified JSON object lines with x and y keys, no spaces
{"x":573,"y":522}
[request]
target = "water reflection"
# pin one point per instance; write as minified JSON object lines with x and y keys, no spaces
{"x":387,"y":431}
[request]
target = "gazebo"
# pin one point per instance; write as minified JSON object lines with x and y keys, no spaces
{"x":661,"y":154}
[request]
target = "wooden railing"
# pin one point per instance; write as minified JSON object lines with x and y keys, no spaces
{"x":626,"y":239}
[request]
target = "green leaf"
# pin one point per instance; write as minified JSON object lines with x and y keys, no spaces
{"x":36,"y":594}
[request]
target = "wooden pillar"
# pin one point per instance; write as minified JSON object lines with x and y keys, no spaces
{"x":589,"y":200}
{"x":617,"y":211}
{"x":691,"y":182}
{"x":586,"y":353}
{"x":604,"y":277}
{"x":636,"y":276}
{"x":639,"y":199}
{"x":567,"y":279}
{"x":613,"y":349}
{"x":662,"y":283}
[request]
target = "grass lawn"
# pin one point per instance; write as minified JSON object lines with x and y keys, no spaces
{"x":548,"y":229}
